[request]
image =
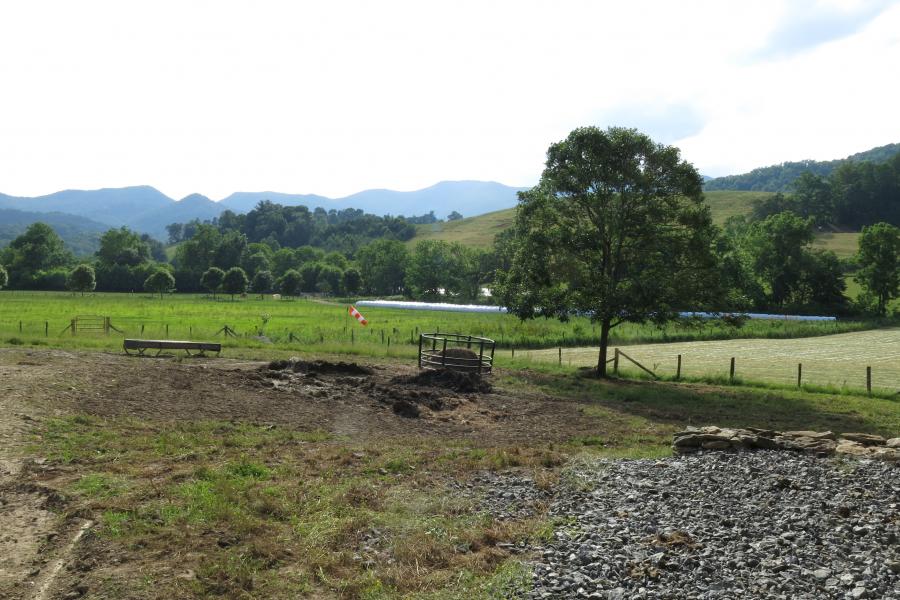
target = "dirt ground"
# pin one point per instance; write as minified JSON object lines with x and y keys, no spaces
{"x":353,"y":401}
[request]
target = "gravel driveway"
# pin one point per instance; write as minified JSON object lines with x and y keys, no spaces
{"x":725,"y":525}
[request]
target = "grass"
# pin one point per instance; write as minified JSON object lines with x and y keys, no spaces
{"x":845,"y":245}
{"x":294,"y":325}
{"x":282,"y":513}
{"x":479,"y":231}
{"x":836,"y":362}
{"x":728,"y":203}
{"x":472,"y":231}
{"x":261,"y":511}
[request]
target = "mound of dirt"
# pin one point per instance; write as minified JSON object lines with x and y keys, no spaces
{"x":318,"y":366}
{"x":464,"y":383}
{"x":458,"y":353}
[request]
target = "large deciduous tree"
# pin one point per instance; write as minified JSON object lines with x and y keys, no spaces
{"x":235,"y":281}
{"x":82,"y":279}
{"x":879,"y":262}
{"x":38,"y":251}
{"x":211,"y":280}
{"x":262,"y":283}
{"x":160,"y":282}
{"x":616,"y":229}
{"x":382,"y":265}
{"x":289,"y":283}
{"x":4,"y":277}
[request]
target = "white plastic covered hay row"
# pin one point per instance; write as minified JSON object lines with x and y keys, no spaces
{"x":470,"y":308}
{"x":478,"y":308}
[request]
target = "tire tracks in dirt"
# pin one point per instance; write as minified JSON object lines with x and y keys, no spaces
{"x":31,"y":533}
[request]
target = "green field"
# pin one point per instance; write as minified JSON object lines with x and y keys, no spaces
{"x":839,"y":360}
{"x":727,"y":203}
{"x":480,"y":231}
{"x":845,"y":245}
{"x":42,"y":318}
{"x":473,"y":231}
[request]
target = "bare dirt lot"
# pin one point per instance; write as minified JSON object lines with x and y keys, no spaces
{"x":346,"y":400}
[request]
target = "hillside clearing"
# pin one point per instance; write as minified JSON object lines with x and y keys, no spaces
{"x":479,"y":231}
{"x":835,"y":360}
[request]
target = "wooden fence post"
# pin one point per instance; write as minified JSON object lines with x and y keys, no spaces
{"x":616,"y":362}
{"x":799,"y":374}
{"x":74,"y":325}
{"x":869,"y":380}
{"x":20,"y":326}
{"x":46,"y":328}
{"x":420,"y":351}
{"x":731,"y":373}
{"x":167,"y":330}
{"x":560,"y":355}
{"x":678,"y":369}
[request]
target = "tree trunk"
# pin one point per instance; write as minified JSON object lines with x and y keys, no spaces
{"x":604,"y":346}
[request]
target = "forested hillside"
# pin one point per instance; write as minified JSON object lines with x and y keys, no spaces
{"x":780,"y":178}
{"x":81,"y":235}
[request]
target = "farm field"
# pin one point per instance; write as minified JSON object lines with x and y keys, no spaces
{"x":837,"y":360}
{"x":479,"y":231}
{"x":845,"y":245}
{"x":326,"y":326}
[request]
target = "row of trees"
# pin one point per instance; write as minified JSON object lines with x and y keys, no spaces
{"x":280,"y":226}
{"x":854,"y":195}
{"x":125,"y":262}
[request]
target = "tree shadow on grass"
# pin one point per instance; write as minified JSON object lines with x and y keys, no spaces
{"x":670,"y":405}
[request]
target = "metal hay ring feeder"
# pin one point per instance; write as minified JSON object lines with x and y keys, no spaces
{"x":456,"y":352}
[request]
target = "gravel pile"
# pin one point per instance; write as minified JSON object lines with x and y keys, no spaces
{"x":725,"y":525}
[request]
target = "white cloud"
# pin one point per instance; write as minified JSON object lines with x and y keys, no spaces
{"x":332,"y":98}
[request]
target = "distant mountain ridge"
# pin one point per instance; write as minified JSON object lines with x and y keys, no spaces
{"x":778,"y":178}
{"x":147,"y":210}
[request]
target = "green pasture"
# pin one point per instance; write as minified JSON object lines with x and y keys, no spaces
{"x":836,"y":362}
{"x":845,"y":245}
{"x":41,"y":318}
{"x":479,"y":231}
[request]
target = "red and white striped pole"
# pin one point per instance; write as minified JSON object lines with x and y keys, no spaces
{"x":355,"y":314}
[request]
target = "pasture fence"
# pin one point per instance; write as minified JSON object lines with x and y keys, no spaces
{"x":730,"y":370}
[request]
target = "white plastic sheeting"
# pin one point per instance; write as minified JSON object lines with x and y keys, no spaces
{"x":478,"y":308}
{"x":471,"y":308}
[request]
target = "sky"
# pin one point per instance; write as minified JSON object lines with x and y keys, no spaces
{"x":335,"y":97}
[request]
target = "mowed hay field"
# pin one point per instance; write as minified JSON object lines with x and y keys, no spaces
{"x":845,"y":245}
{"x":480,"y":231}
{"x":834,"y":360}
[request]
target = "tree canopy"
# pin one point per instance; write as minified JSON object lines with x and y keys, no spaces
{"x":879,"y":262}
{"x":615,"y":229}
{"x":82,"y":279}
{"x":160,"y":282}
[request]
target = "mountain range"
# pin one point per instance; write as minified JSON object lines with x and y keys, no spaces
{"x":147,"y":210}
{"x":81,"y":214}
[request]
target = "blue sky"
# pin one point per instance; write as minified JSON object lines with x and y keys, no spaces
{"x":216,"y":96}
